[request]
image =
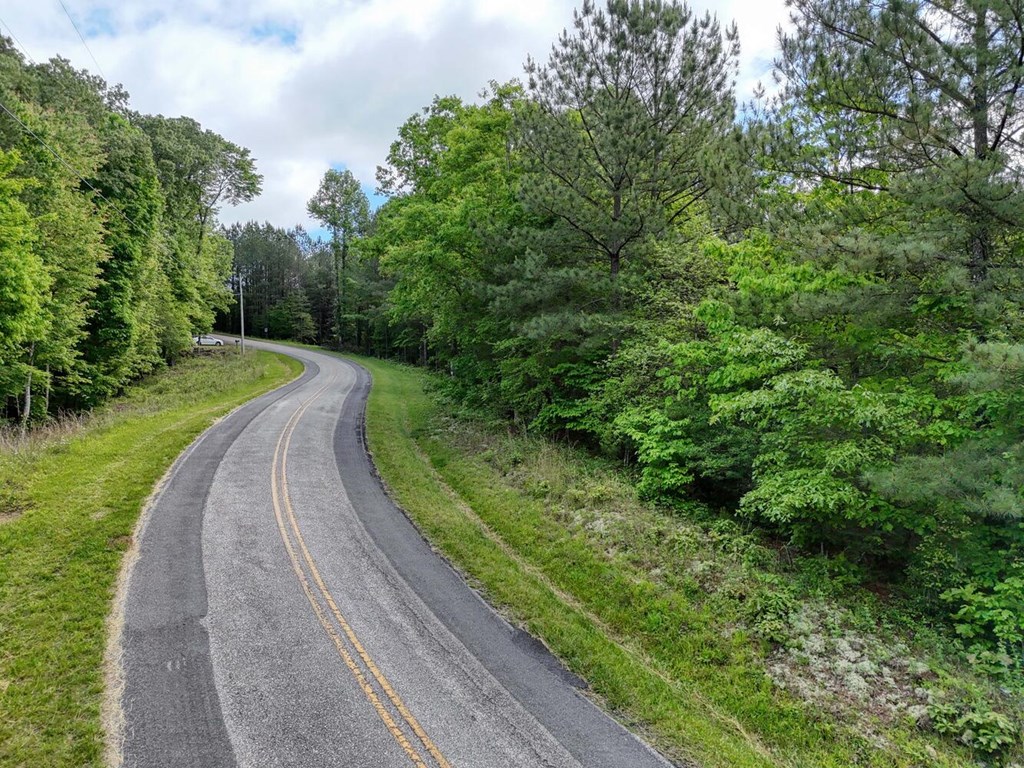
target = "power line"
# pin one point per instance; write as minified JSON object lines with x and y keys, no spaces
{"x":67,"y":165}
{"x":82,"y":38}
{"x":84,"y":180}
{"x":17,"y":41}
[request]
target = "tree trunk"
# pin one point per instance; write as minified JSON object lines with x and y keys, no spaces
{"x":27,"y":414}
{"x":616,"y":296}
{"x":978,"y":260}
{"x":344,"y":288}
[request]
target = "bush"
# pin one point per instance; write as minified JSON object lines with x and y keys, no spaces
{"x":990,"y":733}
{"x":994,"y":616}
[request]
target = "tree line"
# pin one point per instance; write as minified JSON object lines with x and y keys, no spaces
{"x":111,"y":256}
{"x":806,"y":310}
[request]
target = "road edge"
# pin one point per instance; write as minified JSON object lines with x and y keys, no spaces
{"x":112,"y":717}
{"x":526,"y":642}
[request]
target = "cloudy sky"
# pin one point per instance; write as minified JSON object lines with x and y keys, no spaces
{"x":308,"y":84}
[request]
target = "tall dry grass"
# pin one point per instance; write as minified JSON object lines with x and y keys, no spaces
{"x":15,"y":441}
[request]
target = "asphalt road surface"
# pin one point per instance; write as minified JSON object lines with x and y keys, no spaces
{"x":283,"y":612}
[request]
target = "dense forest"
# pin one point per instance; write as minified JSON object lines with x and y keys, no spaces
{"x":806,"y":310}
{"x":111,"y":257}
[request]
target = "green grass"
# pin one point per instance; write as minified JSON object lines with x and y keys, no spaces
{"x":567,"y":551}
{"x":69,"y":501}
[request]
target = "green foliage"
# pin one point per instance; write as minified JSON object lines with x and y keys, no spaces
{"x":106,"y":270}
{"x":23,"y":278}
{"x":990,"y":733}
{"x":552,"y":532}
{"x":814,"y":321}
{"x":118,"y":347}
{"x":768,"y":611}
{"x":994,"y":615}
{"x":290,"y":318}
{"x":340,"y":205}
{"x":448,"y":237}
{"x":847,"y":374}
{"x":619,"y":118}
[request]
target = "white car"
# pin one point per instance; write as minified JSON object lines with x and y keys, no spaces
{"x":207,"y":341}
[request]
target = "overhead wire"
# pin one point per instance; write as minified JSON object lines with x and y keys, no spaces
{"x":174,"y":257}
{"x":82,"y":38}
{"x":66,"y":164}
{"x":3,"y":107}
{"x":50,"y":149}
{"x":57,"y":154}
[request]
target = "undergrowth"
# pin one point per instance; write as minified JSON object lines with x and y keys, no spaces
{"x":723,"y":647}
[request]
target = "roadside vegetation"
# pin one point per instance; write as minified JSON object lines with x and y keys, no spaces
{"x":777,"y":349}
{"x":797,"y":323}
{"x":722,"y":646}
{"x":70,"y":496}
{"x":111,"y":257}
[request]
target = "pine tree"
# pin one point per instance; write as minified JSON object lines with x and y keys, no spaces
{"x":920,"y":99}
{"x":622,"y":113}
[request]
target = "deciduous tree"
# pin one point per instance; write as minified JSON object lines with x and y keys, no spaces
{"x":340,"y":205}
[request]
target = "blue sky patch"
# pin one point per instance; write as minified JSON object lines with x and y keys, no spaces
{"x":286,"y":35}
{"x":98,"y":22}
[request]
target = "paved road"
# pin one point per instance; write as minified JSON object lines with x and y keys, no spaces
{"x":283,"y":612}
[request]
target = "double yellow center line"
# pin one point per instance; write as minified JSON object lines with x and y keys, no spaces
{"x":388,"y":704}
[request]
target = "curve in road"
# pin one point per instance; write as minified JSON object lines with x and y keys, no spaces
{"x":283,"y":611}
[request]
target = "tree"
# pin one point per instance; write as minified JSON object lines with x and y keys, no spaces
{"x":199,"y":171}
{"x":119,"y":346}
{"x":23,"y":285}
{"x":412,"y":164}
{"x":622,"y":113}
{"x":900,"y":122}
{"x":444,"y":236}
{"x":270,"y":264}
{"x":129,"y":264}
{"x":340,"y":205}
{"x":918,"y":98}
{"x":290,"y":318}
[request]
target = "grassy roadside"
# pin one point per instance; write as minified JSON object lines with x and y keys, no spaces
{"x":69,"y":501}
{"x":568,"y":552}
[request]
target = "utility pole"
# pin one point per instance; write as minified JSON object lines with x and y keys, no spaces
{"x":241,"y":309}
{"x":338,"y":284}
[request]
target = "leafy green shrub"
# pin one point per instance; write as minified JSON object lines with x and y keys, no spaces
{"x":994,"y":615}
{"x":769,"y":610}
{"x":829,"y":576}
{"x":990,"y":733}
{"x":538,"y":489}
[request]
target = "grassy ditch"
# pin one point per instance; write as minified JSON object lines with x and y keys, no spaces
{"x":70,"y":496}
{"x":677,"y":623}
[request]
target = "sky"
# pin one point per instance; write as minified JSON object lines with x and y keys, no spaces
{"x":312,"y":84}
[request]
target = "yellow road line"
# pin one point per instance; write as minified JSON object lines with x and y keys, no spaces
{"x":283,"y":444}
{"x":378,"y":675}
{"x":325,"y":622}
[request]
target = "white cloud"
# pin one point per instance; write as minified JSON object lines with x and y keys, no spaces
{"x":307,"y":84}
